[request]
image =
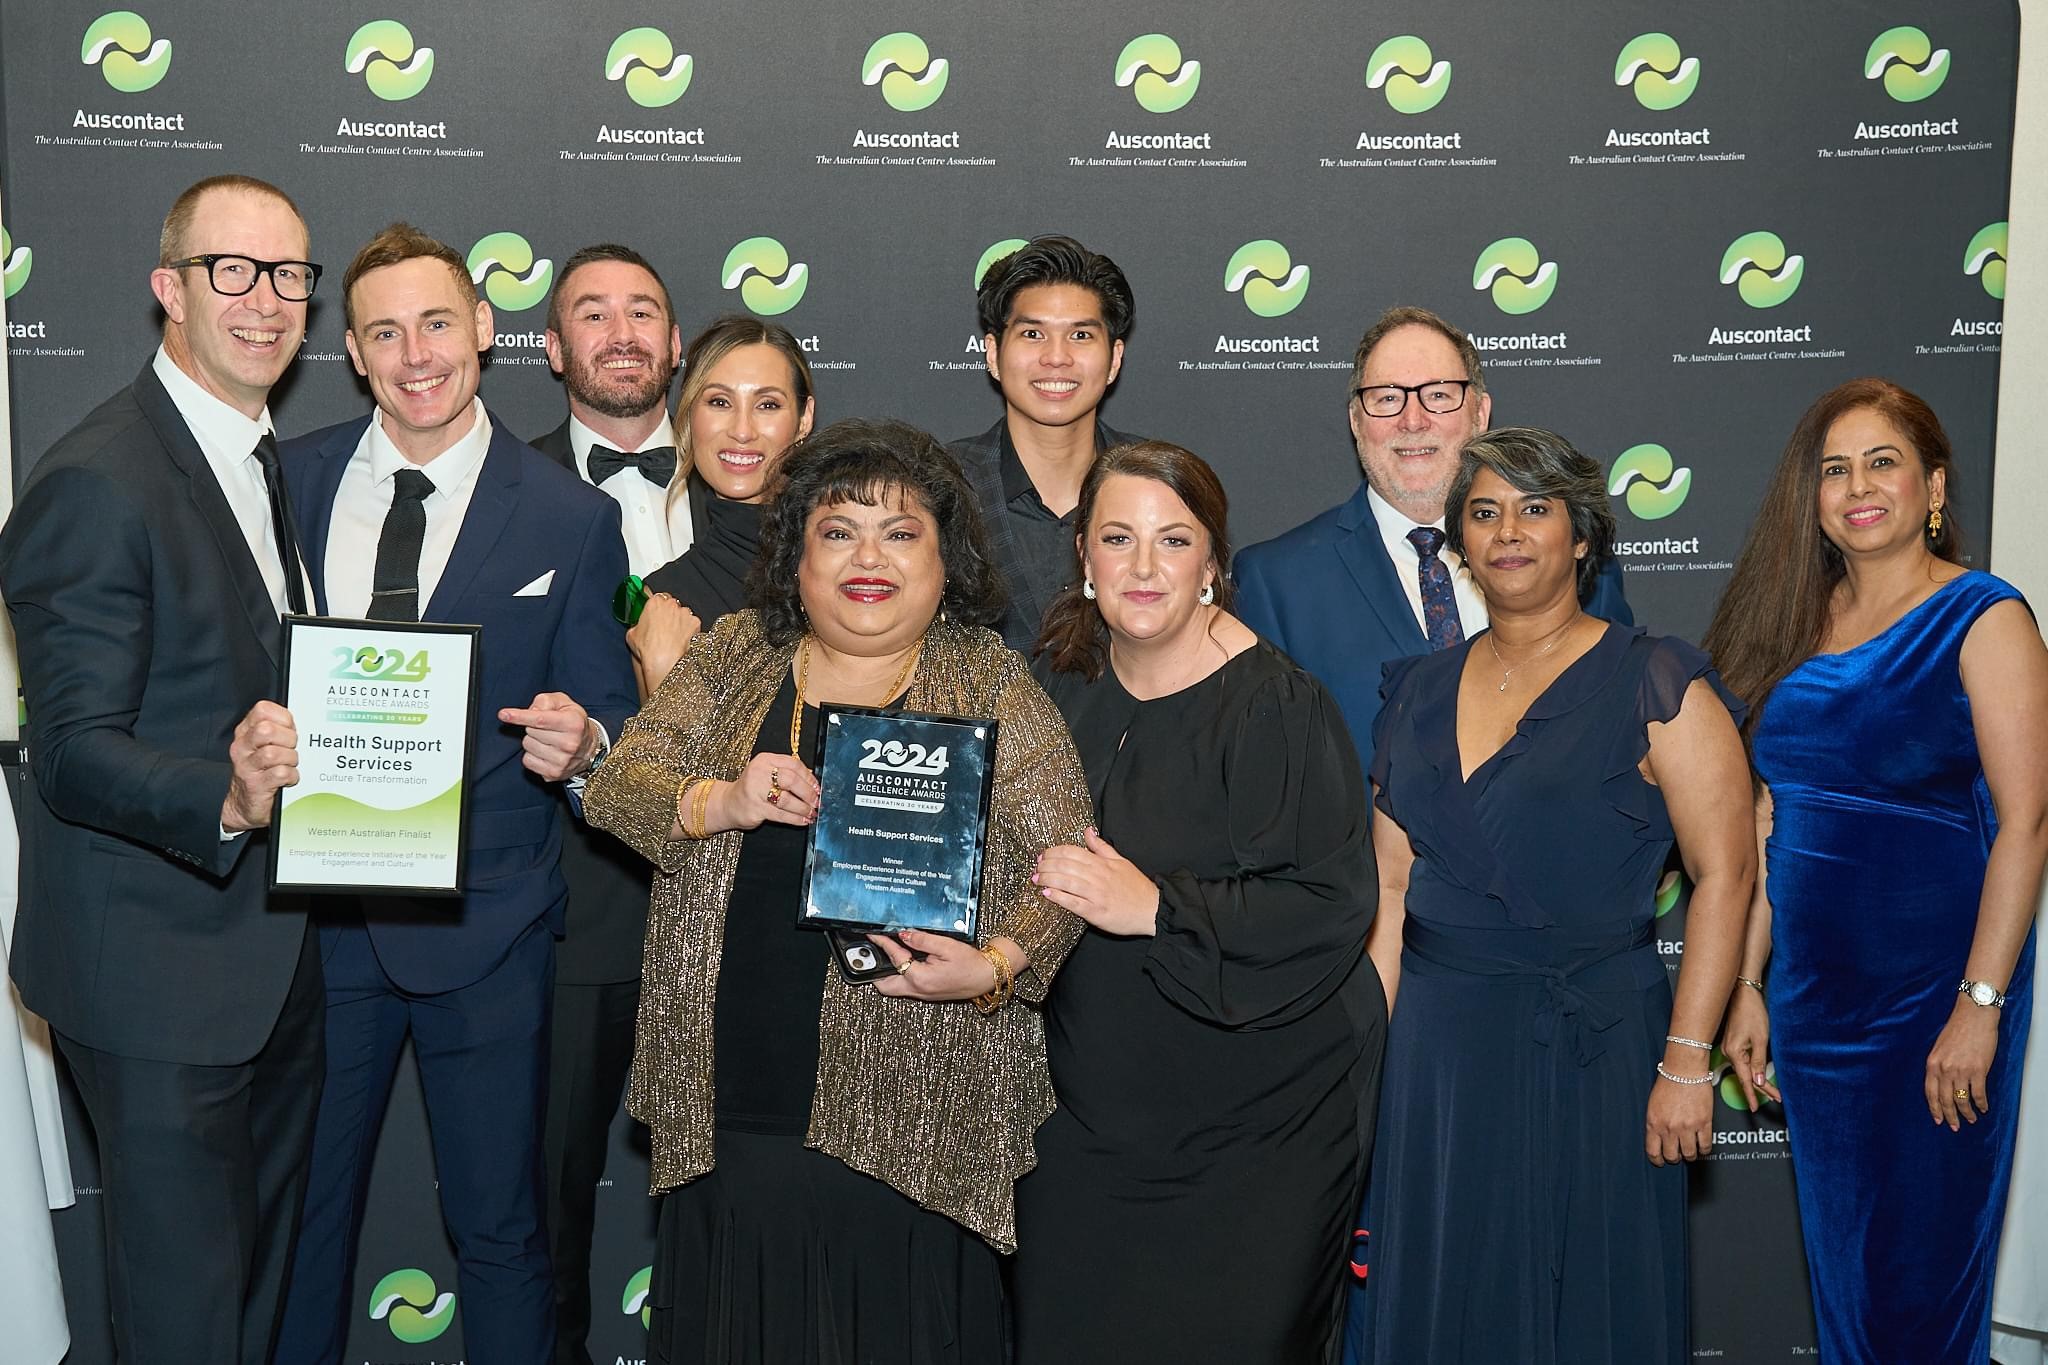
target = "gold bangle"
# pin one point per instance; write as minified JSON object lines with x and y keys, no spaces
{"x":999,"y":994}
{"x":696,"y":796}
{"x":1753,"y":984}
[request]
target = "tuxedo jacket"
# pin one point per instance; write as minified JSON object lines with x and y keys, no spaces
{"x":526,"y":518}
{"x":146,"y":633}
{"x":1329,"y":597}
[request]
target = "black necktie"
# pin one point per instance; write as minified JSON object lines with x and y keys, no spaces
{"x":395,"y":583}
{"x":281,"y":524}
{"x":657,"y":464}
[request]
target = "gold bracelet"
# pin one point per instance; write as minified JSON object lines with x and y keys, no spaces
{"x":1754,"y":985}
{"x":696,"y":794}
{"x":999,"y":994}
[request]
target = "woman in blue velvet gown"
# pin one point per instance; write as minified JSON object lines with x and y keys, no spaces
{"x":1900,"y":737}
{"x":1544,"y":1083}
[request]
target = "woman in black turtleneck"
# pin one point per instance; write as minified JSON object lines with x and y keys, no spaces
{"x":746,"y":399}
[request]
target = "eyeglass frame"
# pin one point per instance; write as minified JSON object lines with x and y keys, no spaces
{"x":263,"y":267}
{"x":1464,"y":395}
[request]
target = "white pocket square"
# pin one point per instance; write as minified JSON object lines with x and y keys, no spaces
{"x":538,"y":587}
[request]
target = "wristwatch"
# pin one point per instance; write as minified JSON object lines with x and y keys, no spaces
{"x":1982,"y":993}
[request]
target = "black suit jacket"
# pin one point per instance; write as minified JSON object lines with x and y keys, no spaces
{"x":981,"y":460}
{"x":146,"y":633}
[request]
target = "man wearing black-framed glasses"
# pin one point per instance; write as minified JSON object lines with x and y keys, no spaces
{"x":145,"y":568}
{"x":1370,"y":580}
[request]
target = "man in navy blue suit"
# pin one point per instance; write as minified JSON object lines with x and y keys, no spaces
{"x":1370,"y":581}
{"x":1346,"y":592}
{"x":430,"y":509}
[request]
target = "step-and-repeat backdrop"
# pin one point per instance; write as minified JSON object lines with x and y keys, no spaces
{"x":1668,"y":227}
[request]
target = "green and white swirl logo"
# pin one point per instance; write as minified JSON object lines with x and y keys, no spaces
{"x":1906,"y":59}
{"x":1663,"y":77}
{"x":910,"y":77}
{"x":995,"y":253}
{"x":1730,"y":1089}
{"x":405,"y":1302}
{"x":1266,"y":275}
{"x":1756,"y":264}
{"x":382,"y":52}
{"x":1151,"y":66}
{"x":504,"y":265}
{"x":1654,"y":487}
{"x":15,"y":263}
{"x":1406,"y":69}
{"x":768,"y":281}
{"x":1516,"y":274}
{"x":120,"y":44}
{"x":1984,"y":258}
{"x":634,"y":1299}
{"x":654,"y":72}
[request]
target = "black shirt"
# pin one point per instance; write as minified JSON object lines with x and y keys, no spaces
{"x":1045,"y":543}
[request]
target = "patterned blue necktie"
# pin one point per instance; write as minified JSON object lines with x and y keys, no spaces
{"x":1439,"y":603}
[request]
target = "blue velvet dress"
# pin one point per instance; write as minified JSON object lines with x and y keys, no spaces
{"x":1876,"y":861}
{"x":1515,"y":1215}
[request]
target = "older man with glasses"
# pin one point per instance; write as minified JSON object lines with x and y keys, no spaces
{"x":145,"y":568}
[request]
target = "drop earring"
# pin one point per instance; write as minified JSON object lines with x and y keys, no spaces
{"x":1934,"y":523}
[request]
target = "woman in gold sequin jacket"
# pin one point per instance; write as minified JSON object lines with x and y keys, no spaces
{"x":838,"y":1160}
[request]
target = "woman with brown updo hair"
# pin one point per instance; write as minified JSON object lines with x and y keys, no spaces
{"x":1215,"y":1036}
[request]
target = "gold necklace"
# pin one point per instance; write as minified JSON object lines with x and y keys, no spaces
{"x":1507,"y":669}
{"x":803,"y":668}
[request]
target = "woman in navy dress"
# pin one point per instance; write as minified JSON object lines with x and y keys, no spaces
{"x":1900,"y":733}
{"x":1543,"y":1086}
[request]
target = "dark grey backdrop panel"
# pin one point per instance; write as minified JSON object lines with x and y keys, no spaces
{"x":518,"y":130}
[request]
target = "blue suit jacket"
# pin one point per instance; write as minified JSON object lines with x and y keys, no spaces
{"x":527,"y":516}
{"x":1328,"y":596}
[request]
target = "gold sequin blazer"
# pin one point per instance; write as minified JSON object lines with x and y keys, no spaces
{"x":938,"y":1100}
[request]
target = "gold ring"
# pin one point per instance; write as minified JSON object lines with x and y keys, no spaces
{"x":774,"y":785}
{"x":903,"y":967}
{"x":1962,"y":1094}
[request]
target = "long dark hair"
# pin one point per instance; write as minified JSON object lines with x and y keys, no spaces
{"x":866,"y":460}
{"x":1774,"y":613}
{"x":1075,"y":638}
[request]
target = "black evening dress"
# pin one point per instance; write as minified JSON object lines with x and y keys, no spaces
{"x":1195,"y":1188}
{"x":782,"y":1255}
{"x":1516,"y":1217}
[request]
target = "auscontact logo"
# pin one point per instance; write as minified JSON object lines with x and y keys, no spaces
{"x":119,"y":43}
{"x":634,"y":1299}
{"x":1407,"y":71}
{"x":1757,"y":265}
{"x":1663,"y":77}
{"x":1984,"y":258}
{"x":654,"y":72}
{"x":910,"y":77}
{"x":512,"y":279}
{"x":1654,"y":487}
{"x":1516,"y":275}
{"x":768,"y":281}
{"x":382,"y":53}
{"x":405,"y":1301}
{"x":995,"y":253}
{"x":1266,"y":275}
{"x":1908,"y":63}
{"x":15,"y":263}
{"x":1151,"y":66}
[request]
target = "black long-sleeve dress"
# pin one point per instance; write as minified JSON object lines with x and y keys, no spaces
{"x":1195,"y":1188}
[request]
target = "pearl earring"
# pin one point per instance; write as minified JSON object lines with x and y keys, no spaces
{"x":1088,"y":588}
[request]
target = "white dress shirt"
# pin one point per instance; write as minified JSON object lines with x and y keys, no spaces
{"x":1394,"y":528}
{"x":364,"y":498}
{"x":657,"y":527}
{"x":228,"y":440}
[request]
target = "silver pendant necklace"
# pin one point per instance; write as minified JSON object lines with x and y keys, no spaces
{"x":1507,"y":670}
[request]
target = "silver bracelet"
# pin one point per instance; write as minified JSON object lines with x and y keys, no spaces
{"x":1689,"y":1042}
{"x":1683,"y":1080}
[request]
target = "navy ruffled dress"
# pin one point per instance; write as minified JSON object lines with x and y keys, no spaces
{"x":1516,"y":1217}
{"x":1875,"y":864}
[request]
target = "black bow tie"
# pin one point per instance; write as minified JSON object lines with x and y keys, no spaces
{"x":657,"y":464}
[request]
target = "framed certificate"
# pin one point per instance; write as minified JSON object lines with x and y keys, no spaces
{"x":903,"y":821}
{"x":385,"y":713}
